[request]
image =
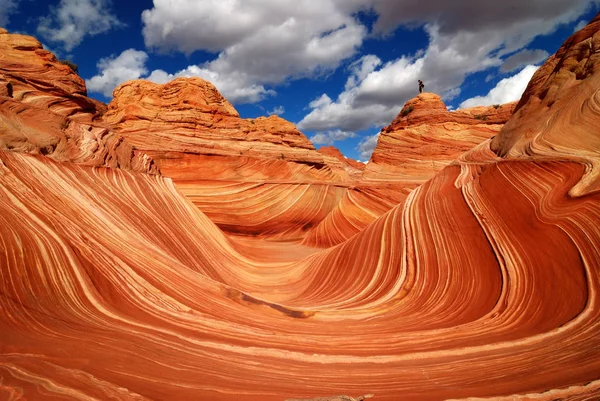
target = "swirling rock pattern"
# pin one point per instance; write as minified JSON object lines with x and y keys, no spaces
{"x":259,"y":177}
{"x":482,"y":284}
{"x":37,"y":78}
{"x":424,"y":138}
{"x":44,"y":110}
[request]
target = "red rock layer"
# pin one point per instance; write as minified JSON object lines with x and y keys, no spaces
{"x":335,"y":159}
{"x":37,"y":78}
{"x":188,"y":117}
{"x":483,"y":284}
{"x":424,"y":138}
{"x":250,"y":176}
{"x":44,"y":110}
{"x":161,"y":307}
{"x":557,"y":115}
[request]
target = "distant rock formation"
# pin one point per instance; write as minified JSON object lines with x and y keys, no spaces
{"x":44,"y":110}
{"x":187,"y":120}
{"x":425,"y":137}
{"x":250,"y":176}
{"x":336,"y":160}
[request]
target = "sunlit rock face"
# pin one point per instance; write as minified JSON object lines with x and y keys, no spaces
{"x":481,"y":284}
{"x":425,"y":137}
{"x":188,"y":117}
{"x":258,"y":177}
{"x":38,"y":79}
{"x":44,"y":110}
{"x":351,"y":170}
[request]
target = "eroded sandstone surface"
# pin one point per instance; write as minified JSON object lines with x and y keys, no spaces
{"x":424,"y":138}
{"x":477,"y":278}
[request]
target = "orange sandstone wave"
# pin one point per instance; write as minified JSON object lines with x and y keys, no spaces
{"x":481,"y":283}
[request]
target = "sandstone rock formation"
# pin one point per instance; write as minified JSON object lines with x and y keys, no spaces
{"x":37,"y":78}
{"x":482,"y":284}
{"x":187,"y":121}
{"x":250,"y":176}
{"x":44,"y":110}
{"x":424,"y":138}
{"x":335,"y":159}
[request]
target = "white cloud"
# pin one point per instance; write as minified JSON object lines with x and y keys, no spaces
{"x":460,"y":43}
{"x":523,"y":58}
{"x":580,"y":25}
{"x":367,"y":146}
{"x":7,"y":8}
{"x":329,"y":137}
{"x":72,"y":20}
{"x":277,"y":111}
{"x":374,"y":96}
{"x":344,"y":114}
{"x":518,"y":19}
{"x":259,"y":42}
{"x":130,"y":64}
{"x":263,"y":43}
{"x":507,"y":90}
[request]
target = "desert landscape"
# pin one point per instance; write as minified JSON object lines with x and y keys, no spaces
{"x":161,"y":247}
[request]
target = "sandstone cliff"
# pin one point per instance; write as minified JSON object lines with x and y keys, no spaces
{"x":38,"y":79}
{"x":259,"y":177}
{"x":424,"y":138}
{"x":187,"y":121}
{"x":44,"y":110}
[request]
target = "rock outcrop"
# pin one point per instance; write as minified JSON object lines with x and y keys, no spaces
{"x":341,"y":164}
{"x":37,"y":78}
{"x":258,"y":177}
{"x":424,"y":138}
{"x":188,"y":117}
{"x":44,"y":110}
{"x":484,"y":283}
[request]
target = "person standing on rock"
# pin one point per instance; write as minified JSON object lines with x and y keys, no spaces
{"x":421,"y":86}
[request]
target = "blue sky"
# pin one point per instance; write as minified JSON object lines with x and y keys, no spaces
{"x":339,"y":69}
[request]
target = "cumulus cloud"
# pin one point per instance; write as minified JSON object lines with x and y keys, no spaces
{"x":367,"y":146}
{"x":523,"y":58}
{"x":7,"y":8}
{"x":342,"y":114}
{"x":580,"y":25}
{"x":460,"y":44}
{"x":72,"y":20}
{"x":259,"y":42}
{"x":375,"y":91}
{"x":277,"y":111}
{"x":130,"y":64}
{"x":262,"y":43}
{"x":518,"y":19}
{"x":329,"y":137}
{"x":507,"y":90}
